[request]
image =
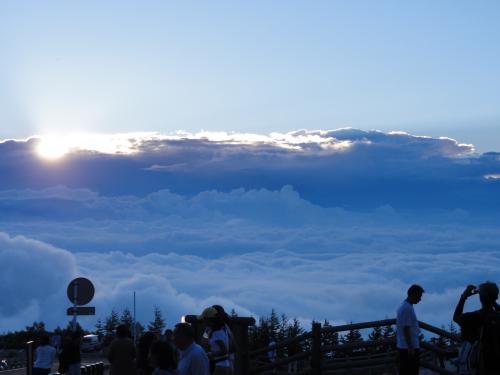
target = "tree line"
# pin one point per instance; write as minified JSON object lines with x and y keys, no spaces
{"x":271,"y":328}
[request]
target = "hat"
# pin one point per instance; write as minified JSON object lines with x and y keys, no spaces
{"x":208,"y":313}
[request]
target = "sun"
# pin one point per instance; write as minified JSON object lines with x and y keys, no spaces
{"x":52,"y":148}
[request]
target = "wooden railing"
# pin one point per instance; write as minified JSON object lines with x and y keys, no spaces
{"x":348,"y":356}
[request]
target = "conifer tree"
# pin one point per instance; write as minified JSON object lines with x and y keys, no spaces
{"x":351,"y":337}
{"x":126,"y":318}
{"x":158,"y":323}
{"x":260,"y":334}
{"x":69,"y":328}
{"x":388,"y":333}
{"x":36,"y":327}
{"x":329,"y":338}
{"x":295,"y":329}
{"x":99,"y":328}
{"x":282,"y":328}
{"x":375,"y":335}
{"x":274,"y":325}
{"x":111,"y":322}
{"x":454,"y":331}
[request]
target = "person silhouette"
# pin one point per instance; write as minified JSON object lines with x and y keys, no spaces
{"x":193,"y":359}
{"x":45,"y":355}
{"x":481,"y":328}
{"x":408,"y":332}
{"x":121,"y":353}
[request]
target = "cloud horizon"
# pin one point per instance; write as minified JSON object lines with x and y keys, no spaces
{"x":342,"y":218}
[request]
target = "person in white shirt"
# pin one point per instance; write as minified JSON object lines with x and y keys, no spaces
{"x":193,"y":359}
{"x":45,"y":355}
{"x":408,"y":332}
{"x":218,"y":340}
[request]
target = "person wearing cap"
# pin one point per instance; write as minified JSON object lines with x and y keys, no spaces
{"x":193,"y":360}
{"x":218,"y":340}
{"x":408,"y":332}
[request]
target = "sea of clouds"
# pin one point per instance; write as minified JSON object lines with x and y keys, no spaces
{"x":321,"y":224}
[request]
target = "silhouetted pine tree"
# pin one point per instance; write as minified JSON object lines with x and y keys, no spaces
{"x":36,"y":327}
{"x":69,"y":329}
{"x":274,"y":325}
{"x":99,"y":329}
{"x":329,"y":339}
{"x":158,"y":323}
{"x":260,"y":334}
{"x":388,"y":333}
{"x":375,"y":335}
{"x":295,"y":329}
{"x":351,"y":337}
{"x":111,"y":322}
{"x":282,"y":328}
{"x":126,"y":318}
{"x":453,"y":330}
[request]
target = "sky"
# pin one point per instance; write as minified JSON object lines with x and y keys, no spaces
{"x":312,"y":158}
{"x":429,"y":68}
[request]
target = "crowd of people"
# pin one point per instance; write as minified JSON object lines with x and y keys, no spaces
{"x":178,"y":353}
{"x":479,"y":353}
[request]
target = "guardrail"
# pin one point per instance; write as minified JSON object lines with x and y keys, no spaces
{"x":321,"y":358}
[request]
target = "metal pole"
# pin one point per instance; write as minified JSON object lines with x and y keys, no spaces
{"x":75,"y":296}
{"x":29,"y":357}
{"x":135,"y":326}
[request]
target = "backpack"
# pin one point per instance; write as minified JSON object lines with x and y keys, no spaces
{"x":485,"y":352}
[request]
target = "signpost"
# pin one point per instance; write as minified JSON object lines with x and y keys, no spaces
{"x":81,"y":310}
{"x":80,"y":292}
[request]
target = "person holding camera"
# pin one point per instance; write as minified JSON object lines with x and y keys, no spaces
{"x":480,"y":330}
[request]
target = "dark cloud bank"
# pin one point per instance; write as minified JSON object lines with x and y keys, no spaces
{"x":316,"y":224}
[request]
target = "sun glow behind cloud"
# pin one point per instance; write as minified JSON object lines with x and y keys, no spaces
{"x":53,"y":147}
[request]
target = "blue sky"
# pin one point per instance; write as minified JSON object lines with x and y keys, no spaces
{"x":429,"y":67}
{"x":106,"y":171}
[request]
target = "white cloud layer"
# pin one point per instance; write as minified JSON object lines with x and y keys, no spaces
{"x":248,"y":250}
{"x":340,"y":287}
{"x":317,"y":224}
{"x":343,"y":168}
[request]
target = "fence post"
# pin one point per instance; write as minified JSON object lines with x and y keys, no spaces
{"x":242,"y":360}
{"x":29,"y":357}
{"x":316,"y":349}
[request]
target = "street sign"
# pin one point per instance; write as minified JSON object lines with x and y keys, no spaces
{"x":81,"y":310}
{"x":80,"y":291}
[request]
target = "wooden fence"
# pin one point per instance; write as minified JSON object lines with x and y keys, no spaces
{"x":347,"y":358}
